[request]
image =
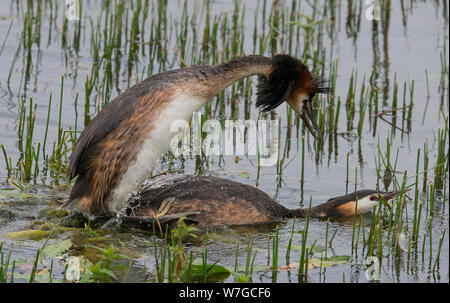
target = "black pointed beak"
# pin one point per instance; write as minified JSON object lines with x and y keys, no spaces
{"x":392,"y":194}
{"x":306,"y":116}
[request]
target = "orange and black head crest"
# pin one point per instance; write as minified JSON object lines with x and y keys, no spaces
{"x":288,"y":75}
{"x":275,"y":89}
{"x":320,"y":85}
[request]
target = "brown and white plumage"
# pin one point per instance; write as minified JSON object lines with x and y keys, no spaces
{"x":119,"y":147}
{"x":208,"y":201}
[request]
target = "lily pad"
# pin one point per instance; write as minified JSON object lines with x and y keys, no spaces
{"x":215,"y":273}
{"x":56,"y":249}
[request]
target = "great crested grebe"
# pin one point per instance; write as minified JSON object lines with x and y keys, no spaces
{"x":118,"y":149}
{"x":210,"y":202}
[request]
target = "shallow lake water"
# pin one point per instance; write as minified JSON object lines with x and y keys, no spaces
{"x":404,"y":54}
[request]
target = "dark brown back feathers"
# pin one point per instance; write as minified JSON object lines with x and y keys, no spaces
{"x":211,"y":192}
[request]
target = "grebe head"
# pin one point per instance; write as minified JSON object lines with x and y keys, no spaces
{"x":367,"y":200}
{"x":386,"y":196}
{"x":290,"y":80}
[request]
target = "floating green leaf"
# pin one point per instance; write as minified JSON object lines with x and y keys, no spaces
{"x":56,"y":249}
{"x":214,"y":272}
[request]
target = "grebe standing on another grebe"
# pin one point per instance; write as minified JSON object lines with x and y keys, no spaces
{"x":118,"y":149}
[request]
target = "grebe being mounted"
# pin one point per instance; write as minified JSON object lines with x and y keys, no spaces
{"x":207,"y":201}
{"x":118,"y":149}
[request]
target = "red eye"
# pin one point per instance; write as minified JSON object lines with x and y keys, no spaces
{"x":372,"y":198}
